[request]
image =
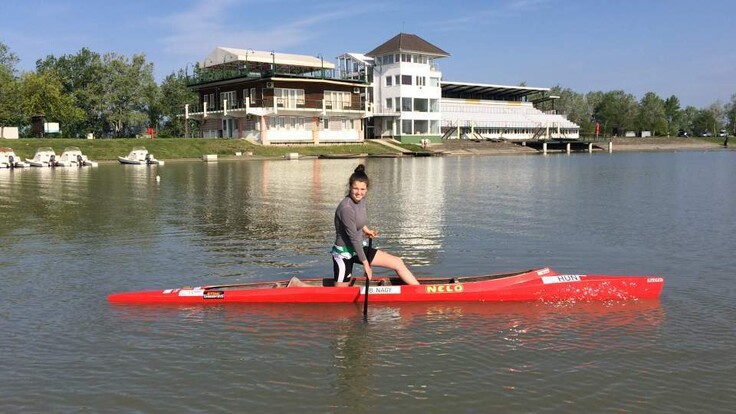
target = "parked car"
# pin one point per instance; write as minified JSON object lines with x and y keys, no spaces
{"x":682,"y":133}
{"x":723,"y":133}
{"x":706,"y":134}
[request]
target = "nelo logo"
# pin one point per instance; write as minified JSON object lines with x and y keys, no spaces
{"x":444,"y":288}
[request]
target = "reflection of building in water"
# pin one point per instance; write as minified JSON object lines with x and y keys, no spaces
{"x":412,"y":199}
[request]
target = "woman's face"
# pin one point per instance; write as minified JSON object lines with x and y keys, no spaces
{"x":358,"y":190}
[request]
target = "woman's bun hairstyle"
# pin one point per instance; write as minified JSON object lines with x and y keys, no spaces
{"x":359,"y":175}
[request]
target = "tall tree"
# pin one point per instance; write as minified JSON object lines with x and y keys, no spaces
{"x":652,"y":116}
{"x":9,"y":87}
{"x":617,"y":112}
{"x":126,"y":97}
{"x":575,"y":107}
{"x":174,"y":95}
{"x":42,"y":94}
{"x":80,"y":75}
{"x":672,"y":114}
{"x":730,"y":110}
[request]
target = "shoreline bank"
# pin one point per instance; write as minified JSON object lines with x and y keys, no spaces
{"x":179,"y":149}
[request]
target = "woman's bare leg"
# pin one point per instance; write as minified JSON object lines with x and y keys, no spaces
{"x":383,"y":259}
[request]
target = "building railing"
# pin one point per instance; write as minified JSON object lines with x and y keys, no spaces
{"x":212,"y":75}
{"x":280,"y":103}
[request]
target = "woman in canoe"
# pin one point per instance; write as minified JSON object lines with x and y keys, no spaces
{"x":351,"y":222}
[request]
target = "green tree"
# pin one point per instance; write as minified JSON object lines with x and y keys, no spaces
{"x":126,"y":94}
{"x":673,"y":115}
{"x":174,"y":94}
{"x":575,"y":107}
{"x":617,"y":112}
{"x":652,"y":115}
{"x":80,"y":75}
{"x":42,"y":94}
{"x":9,"y":87}
{"x":730,"y":115}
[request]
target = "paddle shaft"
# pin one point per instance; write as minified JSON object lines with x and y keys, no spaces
{"x":367,"y":286}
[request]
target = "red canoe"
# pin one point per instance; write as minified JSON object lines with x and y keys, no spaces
{"x":532,"y":285}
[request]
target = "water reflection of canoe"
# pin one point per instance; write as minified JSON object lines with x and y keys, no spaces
{"x":532,"y":285}
{"x":341,"y":156}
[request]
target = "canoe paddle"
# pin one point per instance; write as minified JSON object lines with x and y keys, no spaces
{"x":367,"y":285}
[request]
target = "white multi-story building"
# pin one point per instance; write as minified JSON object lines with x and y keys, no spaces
{"x":408,"y":100}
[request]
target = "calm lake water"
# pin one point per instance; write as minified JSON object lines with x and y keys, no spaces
{"x":71,"y":236}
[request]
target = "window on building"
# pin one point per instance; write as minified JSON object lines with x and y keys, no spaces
{"x":405,"y":57}
{"x":389,"y":103}
{"x":434,"y":127}
{"x":398,"y":104}
{"x":406,"y":104}
{"x":245,"y":96}
{"x":388,"y":80}
{"x":406,"y":79}
{"x":227,"y":99}
{"x":397,"y":80}
{"x":406,"y":127}
{"x":421,"y":81}
{"x":252,"y":95}
{"x":421,"y":105}
{"x":388,"y":59}
{"x":325,"y":123}
{"x":212,"y":104}
{"x":434,"y":105}
{"x":300,"y":122}
{"x":288,"y":98}
{"x":421,"y":126}
{"x":337,"y":100}
{"x":434,"y":82}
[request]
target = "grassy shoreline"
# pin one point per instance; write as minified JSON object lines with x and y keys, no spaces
{"x":194,"y":148}
{"x":181,"y":148}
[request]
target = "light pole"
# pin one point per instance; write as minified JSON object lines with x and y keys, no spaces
{"x":246,"y":60}
{"x":322,"y":64}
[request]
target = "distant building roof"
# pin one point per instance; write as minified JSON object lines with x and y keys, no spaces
{"x":409,"y":43}
{"x":226,"y":55}
{"x":486,"y":91}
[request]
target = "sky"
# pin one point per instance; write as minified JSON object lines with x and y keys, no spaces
{"x":684,"y":48}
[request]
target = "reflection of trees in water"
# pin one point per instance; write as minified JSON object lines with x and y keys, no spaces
{"x":62,"y":201}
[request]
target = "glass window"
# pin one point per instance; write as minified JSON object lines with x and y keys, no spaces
{"x":406,"y":127}
{"x":421,"y":81}
{"x":406,"y":79}
{"x":421,"y":126}
{"x":434,"y":81}
{"x":325,"y":123}
{"x":389,"y":103}
{"x":397,"y":80}
{"x":434,"y":127}
{"x":421,"y":105}
{"x":434,"y":105}
{"x":388,"y":80}
{"x":398,"y":104}
{"x":300,"y":122}
{"x":406,"y":104}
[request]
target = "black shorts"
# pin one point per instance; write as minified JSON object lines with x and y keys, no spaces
{"x":342,"y":268}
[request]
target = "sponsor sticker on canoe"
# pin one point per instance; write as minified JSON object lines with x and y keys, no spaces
{"x":381,"y":290}
{"x":561,"y":279}
{"x":453,"y":288}
{"x":191,"y":292}
{"x":655,"y":279}
{"x":542,"y":272}
{"x":214,"y":294}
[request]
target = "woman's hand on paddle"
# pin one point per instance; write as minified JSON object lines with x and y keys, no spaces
{"x":370,"y":233}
